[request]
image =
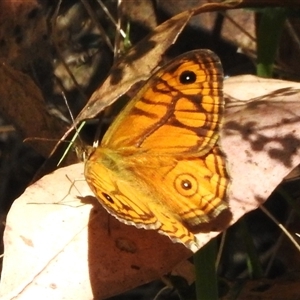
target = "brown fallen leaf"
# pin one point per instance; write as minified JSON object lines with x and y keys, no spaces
{"x":136,"y":66}
{"x":22,"y":103}
{"x":72,"y":250}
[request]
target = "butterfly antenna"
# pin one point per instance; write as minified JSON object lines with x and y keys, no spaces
{"x":69,"y":109}
{"x":77,"y":129}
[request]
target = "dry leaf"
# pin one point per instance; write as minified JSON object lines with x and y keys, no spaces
{"x":136,"y":66}
{"x":22,"y":103}
{"x":74,"y":251}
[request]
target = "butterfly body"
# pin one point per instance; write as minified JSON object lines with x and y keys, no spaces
{"x":159,"y":165}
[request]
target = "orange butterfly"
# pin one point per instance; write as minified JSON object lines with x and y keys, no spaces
{"x":159,"y":165}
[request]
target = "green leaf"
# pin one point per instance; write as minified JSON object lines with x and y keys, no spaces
{"x":268,"y":35}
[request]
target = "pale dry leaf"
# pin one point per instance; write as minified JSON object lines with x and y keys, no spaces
{"x":71,"y":252}
{"x":73,"y":249}
{"x":261,"y":139}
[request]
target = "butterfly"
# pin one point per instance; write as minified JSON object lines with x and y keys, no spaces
{"x":159,"y":165}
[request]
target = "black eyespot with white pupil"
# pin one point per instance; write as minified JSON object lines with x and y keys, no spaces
{"x":108,"y":198}
{"x":187,"y":77}
{"x":186,"y":185}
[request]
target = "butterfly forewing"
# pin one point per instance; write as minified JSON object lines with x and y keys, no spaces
{"x":178,"y":111}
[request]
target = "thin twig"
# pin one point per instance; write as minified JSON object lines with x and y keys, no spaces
{"x":281,"y":226}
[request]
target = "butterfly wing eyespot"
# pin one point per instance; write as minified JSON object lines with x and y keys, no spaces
{"x":108,"y":198}
{"x":187,"y":77}
{"x":186,"y":185}
{"x":159,"y":165}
